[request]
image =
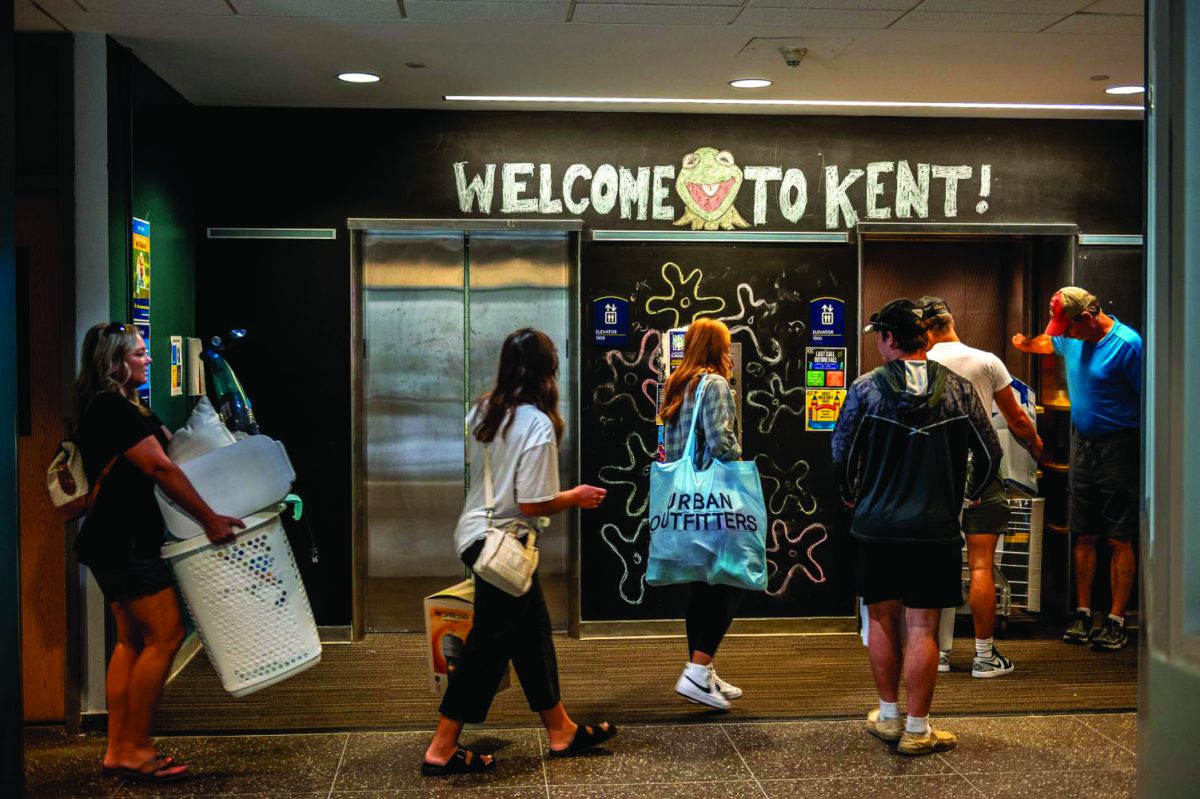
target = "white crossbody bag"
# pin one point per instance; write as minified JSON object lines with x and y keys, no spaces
{"x":505,"y":561}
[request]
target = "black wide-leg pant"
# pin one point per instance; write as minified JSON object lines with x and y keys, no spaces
{"x":506,"y":628}
{"x":710,"y":611}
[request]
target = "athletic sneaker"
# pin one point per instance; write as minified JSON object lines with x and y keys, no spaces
{"x":696,"y":685}
{"x":932,"y":741}
{"x":943,"y":661}
{"x":994,"y":665}
{"x":1110,"y":637}
{"x":728,"y":690}
{"x":1080,"y":629}
{"x":889,"y":730}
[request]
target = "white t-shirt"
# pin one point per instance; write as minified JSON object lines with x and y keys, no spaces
{"x":985,"y":371}
{"x":524,"y":469}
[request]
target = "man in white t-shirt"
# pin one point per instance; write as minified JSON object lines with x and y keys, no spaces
{"x":987,"y":519}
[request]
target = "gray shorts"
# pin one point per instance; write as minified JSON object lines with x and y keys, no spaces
{"x":1105,"y":481}
{"x":990,"y":516}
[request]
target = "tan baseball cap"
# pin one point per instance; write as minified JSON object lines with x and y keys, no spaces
{"x":1067,"y":304}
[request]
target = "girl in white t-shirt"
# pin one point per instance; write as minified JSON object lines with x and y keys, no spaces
{"x":519,"y":426}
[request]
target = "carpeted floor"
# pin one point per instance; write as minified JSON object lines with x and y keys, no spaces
{"x":383,"y":683}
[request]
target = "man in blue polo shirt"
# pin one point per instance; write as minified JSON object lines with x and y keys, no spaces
{"x":1104,"y":379}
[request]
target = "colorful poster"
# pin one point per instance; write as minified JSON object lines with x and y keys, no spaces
{"x":825,"y":367}
{"x":140,"y":300}
{"x":176,"y":366}
{"x":610,"y":321}
{"x":822,"y":408}
{"x":828,"y":321}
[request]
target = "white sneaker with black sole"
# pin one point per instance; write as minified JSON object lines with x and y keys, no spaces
{"x":696,"y":685}
{"x":995,"y":665}
{"x":727,"y":690}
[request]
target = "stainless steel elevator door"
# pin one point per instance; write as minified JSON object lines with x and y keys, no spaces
{"x":517,"y":280}
{"x":414,"y":377}
{"x":419,"y":290}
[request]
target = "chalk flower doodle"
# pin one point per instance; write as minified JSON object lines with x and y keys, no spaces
{"x":748,"y":311}
{"x":798,"y":547}
{"x":685,"y":297}
{"x":776,"y":400}
{"x":635,"y":474}
{"x":708,"y":183}
{"x":785,"y":486}
{"x":610,"y":531}
{"x":634,"y":376}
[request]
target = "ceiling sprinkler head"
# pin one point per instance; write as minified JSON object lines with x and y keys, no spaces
{"x":792,"y":56}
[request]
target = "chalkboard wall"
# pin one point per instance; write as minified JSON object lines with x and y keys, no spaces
{"x":316,"y":168}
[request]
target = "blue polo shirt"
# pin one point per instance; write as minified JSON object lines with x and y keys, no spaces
{"x":1104,"y":380}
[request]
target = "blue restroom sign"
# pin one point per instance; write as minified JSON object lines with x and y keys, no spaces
{"x":610,"y":321}
{"x":828,"y":321}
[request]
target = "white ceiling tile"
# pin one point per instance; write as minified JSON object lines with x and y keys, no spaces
{"x":847,"y":5}
{"x":662,"y":2}
{"x":1134,"y":8}
{"x":1101,"y":24}
{"x":464,"y":11}
{"x":324,"y":9}
{"x":628,"y":14}
{"x":818,"y":18}
{"x":989,"y":23}
{"x":1061,"y":7}
{"x":207,"y":8}
{"x":28,"y":17}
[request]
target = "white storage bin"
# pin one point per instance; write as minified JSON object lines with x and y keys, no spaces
{"x":249,"y":604}
{"x":237,"y":480}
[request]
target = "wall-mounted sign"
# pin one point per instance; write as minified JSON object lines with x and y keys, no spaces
{"x":822,"y":408}
{"x":176,"y":366}
{"x":707,"y":181}
{"x":610,"y":321}
{"x":828,"y":324}
{"x":140,"y":242}
{"x":825,"y":367}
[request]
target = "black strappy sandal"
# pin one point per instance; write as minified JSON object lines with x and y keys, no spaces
{"x":586,"y":737}
{"x":463,"y":761}
{"x":174,"y":770}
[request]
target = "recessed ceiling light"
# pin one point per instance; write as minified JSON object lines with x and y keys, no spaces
{"x":359,"y":77}
{"x":750,"y":83}
{"x":762,"y":102}
{"x":1125,"y":90}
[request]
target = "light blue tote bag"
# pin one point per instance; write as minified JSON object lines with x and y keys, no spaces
{"x":707,"y":525}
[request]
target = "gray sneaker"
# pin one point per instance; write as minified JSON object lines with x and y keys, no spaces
{"x":1111,"y":637}
{"x":1079,"y":631}
{"x":995,"y":665}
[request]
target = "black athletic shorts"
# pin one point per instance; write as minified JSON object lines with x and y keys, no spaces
{"x":141,"y":577}
{"x":1105,"y":480}
{"x":924,"y":576}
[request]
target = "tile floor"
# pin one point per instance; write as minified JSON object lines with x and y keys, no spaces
{"x":1063,"y":756}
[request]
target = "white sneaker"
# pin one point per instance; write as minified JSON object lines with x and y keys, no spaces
{"x":995,"y":665}
{"x":696,"y":685}
{"x":943,"y":661}
{"x":727,"y":690}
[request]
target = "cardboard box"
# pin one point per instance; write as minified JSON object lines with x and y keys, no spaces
{"x":448,"y":618}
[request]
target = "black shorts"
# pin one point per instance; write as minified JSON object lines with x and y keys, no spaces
{"x":1105,"y":480}
{"x":925,"y":576}
{"x":124,"y":582}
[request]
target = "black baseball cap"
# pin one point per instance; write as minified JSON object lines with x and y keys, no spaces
{"x":933,"y":306}
{"x":900,"y":317}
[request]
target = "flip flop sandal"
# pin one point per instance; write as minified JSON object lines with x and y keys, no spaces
{"x":586,"y":737}
{"x":463,"y":761}
{"x":153,"y":775}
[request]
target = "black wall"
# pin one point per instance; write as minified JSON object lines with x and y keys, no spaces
{"x":316,"y":168}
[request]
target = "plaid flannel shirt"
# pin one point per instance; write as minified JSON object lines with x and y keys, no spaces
{"x":716,"y":433}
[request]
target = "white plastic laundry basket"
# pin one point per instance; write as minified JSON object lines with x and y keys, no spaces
{"x":249,"y":605}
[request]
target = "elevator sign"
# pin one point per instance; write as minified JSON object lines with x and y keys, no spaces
{"x":610,"y":321}
{"x":828,"y":321}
